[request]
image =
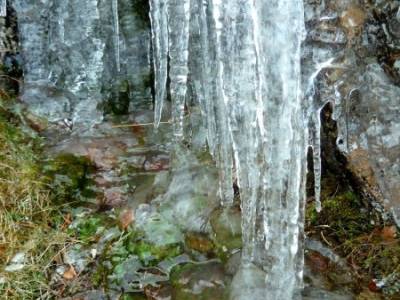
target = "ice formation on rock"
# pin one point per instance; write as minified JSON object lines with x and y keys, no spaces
{"x":242,"y":60}
{"x":78,"y":54}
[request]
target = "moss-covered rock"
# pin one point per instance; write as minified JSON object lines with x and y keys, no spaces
{"x":199,"y":282}
{"x":68,"y":176}
{"x":199,"y":242}
{"x":227,"y":229}
{"x":119,"y":98}
{"x":141,"y":9}
{"x":345,"y":214}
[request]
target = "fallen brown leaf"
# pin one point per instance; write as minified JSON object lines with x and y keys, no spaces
{"x":67,"y":221}
{"x":126,"y":218}
{"x":70,"y":273}
{"x":389,"y":233}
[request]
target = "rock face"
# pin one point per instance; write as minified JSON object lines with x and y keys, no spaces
{"x":355,"y":46}
{"x":374,"y":137}
{"x":80,"y":56}
{"x":84,"y":58}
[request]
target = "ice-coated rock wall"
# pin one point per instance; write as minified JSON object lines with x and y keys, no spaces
{"x":350,"y":59}
{"x":81,"y":56}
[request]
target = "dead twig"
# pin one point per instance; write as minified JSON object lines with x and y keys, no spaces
{"x":139,"y":125}
{"x":12,"y":78}
{"x":325,"y":240}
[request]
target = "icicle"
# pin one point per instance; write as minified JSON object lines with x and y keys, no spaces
{"x":178,"y":31}
{"x":316,"y":148}
{"x":247,"y":77}
{"x":224,"y":152}
{"x":160,"y":41}
{"x":203,"y":76}
{"x":3,"y":8}
{"x":314,"y":107}
{"x":116,"y":34}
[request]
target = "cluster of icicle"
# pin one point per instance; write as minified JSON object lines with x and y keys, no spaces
{"x":242,"y":59}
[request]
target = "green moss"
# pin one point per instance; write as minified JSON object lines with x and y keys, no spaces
{"x":349,"y":225}
{"x":118,"y":100}
{"x":128,"y":250}
{"x":30,"y":221}
{"x":185,"y":286}
{"x":227,"y":228}
{"x":344,"y":213}
{"x":148,"y":253}
{"x":89,"y":228}
{"x":68,"y":176}
{"x":141,"y":9}
{"x":205,"y":157}
{"x":133,"y":296}
{"x":311,"y":214}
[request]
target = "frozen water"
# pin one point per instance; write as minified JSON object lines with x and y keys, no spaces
{"x":77,"y":53}
{"x":116,"y":34}
{"x":3,"y":8}
{"x":243,"y":62}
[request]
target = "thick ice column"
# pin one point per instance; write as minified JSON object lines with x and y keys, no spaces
{"x":261,"y":74}
{"x":285,"y":152}
{"x":178,"y":30}
{"x":202,"y":70}
{"x":245,"y":69}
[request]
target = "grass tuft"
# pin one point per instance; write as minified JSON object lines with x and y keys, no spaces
{"x":30,"y":222}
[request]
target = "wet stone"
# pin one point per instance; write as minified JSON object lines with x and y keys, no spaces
{"x":353,"y":17}
{"x":199,"y":242}
{"x":325,"y":270}
{"x":369,"y":295}
{"x":157,"y":163}
{"x":115,"y":196}
{"x":317,"y":262}
{"x":200,"y":282}
{"x":227,"y":228}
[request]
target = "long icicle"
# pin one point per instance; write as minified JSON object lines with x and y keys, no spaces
{"x":116,"y":34}
{"x":316,"y":148}
{"x":160,"y":41}
{"x":178,"y":32}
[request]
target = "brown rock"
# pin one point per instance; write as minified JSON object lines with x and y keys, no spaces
{"x":317,"y":262}
{"x":353,"y":18}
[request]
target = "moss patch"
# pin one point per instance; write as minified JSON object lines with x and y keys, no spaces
{"x":68,"y":177}
{"x":141,"y":9}
{"x":31,"y":223}
{"x":370,"y":244}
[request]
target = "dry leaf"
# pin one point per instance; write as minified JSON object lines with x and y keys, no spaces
{"x":126,"y":218}
{"x":70,"y":273}
{"x":67,"y":221}
{"x":389,"y":233}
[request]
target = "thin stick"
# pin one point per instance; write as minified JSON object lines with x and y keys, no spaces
{"x":325,"y":240}
{"x":12,"y":78}
{"x":138,"y":125}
